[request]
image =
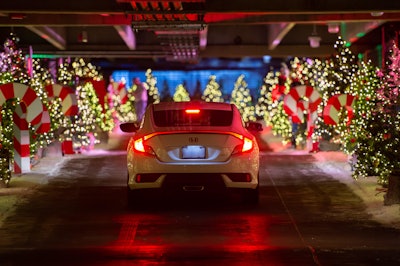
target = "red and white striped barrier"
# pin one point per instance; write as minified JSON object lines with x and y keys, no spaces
{"x":21,"y":140}
{"x":302,"y":99}
{"x":277,"y":92}
{"x":45,"y":124}
{"x":120,"y":92}
{"x":31,"y":110}
{"x":27,"y":95}
{"x":69,"y":107}
{"x":335,"y":104}
{"x":68,"y":98}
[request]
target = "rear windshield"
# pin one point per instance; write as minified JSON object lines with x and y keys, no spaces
{"x":167,"y":118}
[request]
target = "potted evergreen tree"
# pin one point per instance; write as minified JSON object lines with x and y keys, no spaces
{"x":379,"y":151}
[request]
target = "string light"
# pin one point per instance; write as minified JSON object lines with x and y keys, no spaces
{"x":181,"y":94}
{"x":151,"y":86}
{"x":212,"y":92}
{"x":241,"y":97}
{"x":372,"y":135}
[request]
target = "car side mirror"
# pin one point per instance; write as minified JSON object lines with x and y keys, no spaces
{"x":254,"y":126}
{"x":128,"y":127}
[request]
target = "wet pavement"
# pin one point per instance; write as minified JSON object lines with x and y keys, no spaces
{"x":305,"y":217}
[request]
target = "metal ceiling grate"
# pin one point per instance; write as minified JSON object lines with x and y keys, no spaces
{"x":177,"y":25}
{"x":163,"y":15}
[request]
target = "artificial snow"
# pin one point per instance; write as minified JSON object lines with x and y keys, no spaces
{"x":334,"y":163}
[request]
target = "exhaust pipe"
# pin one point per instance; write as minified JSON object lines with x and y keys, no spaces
{"x":193,"y":188}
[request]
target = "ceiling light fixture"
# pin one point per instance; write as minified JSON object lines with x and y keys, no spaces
{"x":333,"y":28}
{"x":377,"y":13}
{"x":168,"y":25}
{"x":83,"y":36}
{"x":314,"y":38}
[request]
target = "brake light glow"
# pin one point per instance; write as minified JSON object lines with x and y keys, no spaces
{"x":138,"y":145}
{"x":247,"y":145}
{"x":192,"y":111}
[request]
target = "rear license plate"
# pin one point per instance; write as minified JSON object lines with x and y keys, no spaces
{"x":193,"y":152}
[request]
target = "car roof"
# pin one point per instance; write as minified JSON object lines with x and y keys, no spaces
{"x":192,"y":104}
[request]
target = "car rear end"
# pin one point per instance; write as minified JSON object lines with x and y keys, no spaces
{"x":193,"y":147}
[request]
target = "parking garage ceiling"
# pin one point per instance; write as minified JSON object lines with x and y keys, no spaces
{"x":123,"y":31}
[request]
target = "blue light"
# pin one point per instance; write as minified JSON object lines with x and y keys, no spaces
{"x":193,"y":78}
{"x":267,"y":59}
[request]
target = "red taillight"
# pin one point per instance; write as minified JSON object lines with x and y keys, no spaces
{"x":146,"y":178}
{"x":140,"y":146}
{"x":238,"y":177}
{"x":246,"y":146}
{"x":192,"y":111}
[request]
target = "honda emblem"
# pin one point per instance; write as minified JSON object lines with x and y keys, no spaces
{"x":193,"y":139}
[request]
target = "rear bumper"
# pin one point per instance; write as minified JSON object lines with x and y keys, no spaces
{"x":193,"y":175}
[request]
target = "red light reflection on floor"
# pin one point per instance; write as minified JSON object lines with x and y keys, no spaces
{"x":153,"y":236}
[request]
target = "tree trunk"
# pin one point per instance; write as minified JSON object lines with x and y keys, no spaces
{"x":393,"y":194}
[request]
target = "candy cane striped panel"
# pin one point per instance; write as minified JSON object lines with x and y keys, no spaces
{"x":300,"y":99}
{"x":335,"y":104}
{"x":21,"y":140}
{"x":67,"y":95}
{"x":31,"y":111}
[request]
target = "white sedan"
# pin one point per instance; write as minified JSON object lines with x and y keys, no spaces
{"x":192,"y":147}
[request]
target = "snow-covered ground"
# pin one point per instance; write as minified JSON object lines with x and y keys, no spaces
{"x":334,"y":163}
{"x":22,"y":185}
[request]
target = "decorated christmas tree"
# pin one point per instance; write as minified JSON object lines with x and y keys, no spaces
{"x":344,"y":66}
{"x":378,"y":141}
{"x":299,"y":71}
{"x":378,"y":152}
{"x":270,"y":102}
{"x":66,"y":74}
{"x":264,"y":98}
{"x":12,"y":69}
{"x":86,"y":72}
{"x":88,"y":119}
{"x":317,"y":77}
{"x":241,"y":97}
{"x":82,"y":129}
{"x":6,"y":141}
{"x":212,"y":92}
{"x":151,"y":82}
{"x":181,"y":94}
{"x":340,"y":71}
{"x":13,"y":61}
{"x":40,"y":78}
{"x":356,"y":140}
{"x":310,"y":74}
{"x":65,"y":77}
{"x":121,"y":102}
